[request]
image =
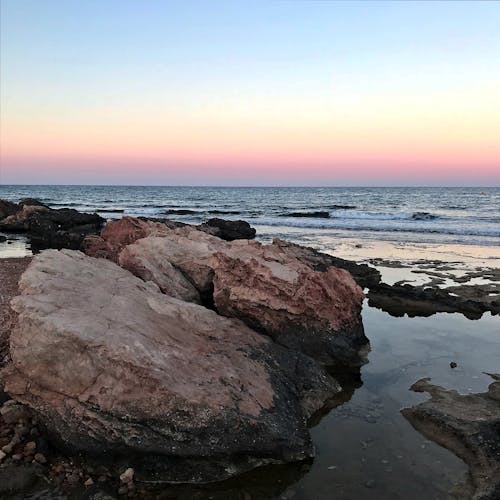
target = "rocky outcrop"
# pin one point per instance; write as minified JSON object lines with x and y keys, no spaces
{"x":316,"y":312}
{"x":364,"y":275}
{"x":7,"y":208}
{"x":470,"y":300}
{"x":20,"y":220}
{"x":468,"y":425}
{"x":228,"y":230}
{"x":48,"y":228}
{"x":122,"y":369}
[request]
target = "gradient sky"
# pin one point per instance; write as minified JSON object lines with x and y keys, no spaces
{"x":250,"y":93}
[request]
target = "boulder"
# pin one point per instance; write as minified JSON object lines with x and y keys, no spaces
{"x":364,"y":275}
{"x":63,"y":228}
{"x":468,"y":425}
{"x":123,"y":370}
{"x":117,"y":234}
{"x":20,"y":220}
{"x":144,"y":259}
{"x":315,"y":312}
{"x":7,"y":208}
{"x":229,"y":230}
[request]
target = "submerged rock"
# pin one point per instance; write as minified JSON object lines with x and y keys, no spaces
{"x":471,"y":301}
{"x":468,"y":425}
{"x":124,"y":370}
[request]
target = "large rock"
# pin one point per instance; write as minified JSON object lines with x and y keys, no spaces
{"x":20,"y":220}
{"x":316,"y":312}
{"x":113,"y":367}
{"x":468,"y":425}
{"x":364,"y":275}
{"x":7,"y":208}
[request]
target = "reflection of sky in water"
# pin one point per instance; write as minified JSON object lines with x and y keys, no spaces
{"x":366,"y":449}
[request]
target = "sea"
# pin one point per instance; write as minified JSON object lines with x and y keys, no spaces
{"x":458,"y":215}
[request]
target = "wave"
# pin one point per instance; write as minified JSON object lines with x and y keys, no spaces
{"x":422,"y":216}
{"x":405,"y":225}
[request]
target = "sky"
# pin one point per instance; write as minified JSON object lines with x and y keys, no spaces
{"x":316,"y":93}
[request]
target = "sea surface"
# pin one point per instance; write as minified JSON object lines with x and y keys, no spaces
{"x":465,"y":216}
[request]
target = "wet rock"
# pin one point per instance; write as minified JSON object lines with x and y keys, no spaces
{"x":8,"y":208}
{"x":2,"y":238}
{"x":32,"y":202}
{"x":229,"y":230}
{"x":125,"y":370}
{"x":471,"y":301}
{"x":468,"y":425}
{"x":364,"y":275}
{"x":20,"y":220}
{"x":315,"y":215}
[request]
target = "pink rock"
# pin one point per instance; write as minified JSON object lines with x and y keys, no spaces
{"x":124,"y":369}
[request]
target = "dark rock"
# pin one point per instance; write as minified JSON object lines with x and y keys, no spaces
{"x":468,"y":425}
{"x":63,"y":228}
{"x":316,"y":215}
{"x":2,"y":238}
{"x":364,"y":275}
{"x":401,"y":299}
{"x":230,"y":230}
{"x":8,"y":208}
{"x":18,"y":479}
{"x":32,"y":202}
{"x":180,"y":211}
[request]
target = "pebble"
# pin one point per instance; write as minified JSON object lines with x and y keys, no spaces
{"x":40,"y":458}
{"x":453,"y":364}
{"x":29,"y":448}
{"x":89,"y":482}
{"x":2,"y":455}
{"x":127,"y":476}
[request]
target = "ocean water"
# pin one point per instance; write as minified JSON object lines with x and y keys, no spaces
{"x":466,"y":216}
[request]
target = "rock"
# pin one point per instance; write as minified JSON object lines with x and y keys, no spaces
{"x":144,"y":259}
{"x":40,"y":458}
{"x":364,"y":275}
{"x":32,"y":202}
{"x":17,"y":479}
{"x":127,"y":476}
{"x":229,"y":230}
{"x":117,"y":234}
{"x":8,"y":208}
{"x":470,"y":300}
{"x":468,"y":425}
{"x":315,"y":312}
{"x":88,"y":482}
{"x":20,"y":220}
{"x":2,"y":455}
{"x":453,"y":364}
{"x":125,"y":371}
{"x":63,"y":228}
{"x":2,"y":238}
{"x":315,"y":215}
{"x":12,"y":412}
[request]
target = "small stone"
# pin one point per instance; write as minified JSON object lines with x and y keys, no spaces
{"x":58,"y":469}
{"x":89,"y":482}
{"x":29,"y":448}
{"x":453,"y":364}
{"x":40,"y":458}
{"x":17,"y":457}
{"x":127,"y":476}
{"x":2,"y":455}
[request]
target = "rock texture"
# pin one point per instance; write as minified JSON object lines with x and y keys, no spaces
{"x":228,"y":230}
{"x":468,"y":425}
{"x":122,"y":369}
{"x":313,"y":311}
{"x":364,"y":275}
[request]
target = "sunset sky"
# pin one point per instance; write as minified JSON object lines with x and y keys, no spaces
{"x":250,"y":92}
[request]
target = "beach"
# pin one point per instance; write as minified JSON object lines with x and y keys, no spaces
{"x":365,"y":448}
